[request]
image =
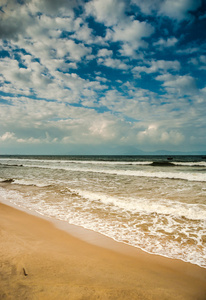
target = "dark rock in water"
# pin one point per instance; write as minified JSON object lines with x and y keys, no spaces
{"x":10,"y":180}
{"x":170,"y":158}
{"x":162,"y":164}
{"x":10,"y":166}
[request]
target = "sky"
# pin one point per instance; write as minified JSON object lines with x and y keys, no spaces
{"x":102,"y":76}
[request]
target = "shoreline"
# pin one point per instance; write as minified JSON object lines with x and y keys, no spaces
{"x":60,"y":264}
{"x":92,"y":237}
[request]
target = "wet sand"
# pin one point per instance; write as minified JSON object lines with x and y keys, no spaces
{"x":40,"y":261}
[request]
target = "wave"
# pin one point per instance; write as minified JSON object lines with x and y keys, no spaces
{"x":103,"y":162}
{"x":24,"y":182}
{"x":190,"y":164}
{"x":9,"y":180}
{"x":200,"y":177}
{"x":146,"y":206}
{"x":189,"y":176}
{"x":123,"y":231}
{"x":30,"y":183}
{"x":162,"y":164}
{"x":181,"y":164}
{"x":92,"y":162}
{"x":10,"y":165}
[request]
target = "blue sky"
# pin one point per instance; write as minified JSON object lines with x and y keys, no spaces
{"x":102,"y":76}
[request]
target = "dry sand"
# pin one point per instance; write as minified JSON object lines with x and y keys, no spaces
{"x":39,"y":261}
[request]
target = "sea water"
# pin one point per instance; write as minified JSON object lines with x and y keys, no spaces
{"x":155,"y":203}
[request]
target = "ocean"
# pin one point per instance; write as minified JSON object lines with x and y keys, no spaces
{"x":156,"y":203}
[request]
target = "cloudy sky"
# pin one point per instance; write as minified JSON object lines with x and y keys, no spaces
{"x":102,"y":76}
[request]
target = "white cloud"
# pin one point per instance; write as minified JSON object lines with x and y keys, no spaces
{"x":109,"y":12}
{"x":131,"y":33}
{"x":14,"y":19}
{"x":7,"y":136}
{"x":124,"y":29}
{"x":166,"y":43}
{"x":84,"y":33}
{"x":203,"y":59}
{"x":101,"y":79}
{"x":189,"y":50}
{"x":34,"y":76}
{"x":155,"y":135}
{"x":48,"y":48}
{"x":104,"y":53}
{"x":37,"y":122}
{"x":199,"y":62}
{"x":71,"y":50}
{"x":157,"y":66}
{"x":10,"y":137}
{"x":180,"y":85}
{"x":113,"y":63}
{"x":44,"y":79}
{"x":52,"y":6}
{"x":179,"y":9}
{"x":174,"y":9}
{"x":136,"y":104}
{"x":18,"y":18}
{"x":51,"y":122}
{"x":147,"y":6}
{"x":103,"y":128}
{"x":128,"y":51}
{"x":48,"y":54}
{"x":134,"y":30}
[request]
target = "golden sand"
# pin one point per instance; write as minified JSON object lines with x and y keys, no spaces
{"x":39,"y":261}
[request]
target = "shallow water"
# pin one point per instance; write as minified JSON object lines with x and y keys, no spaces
{"x":149,"y":202}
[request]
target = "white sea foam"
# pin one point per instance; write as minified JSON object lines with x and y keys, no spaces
{"x":147,"y":206}
{"x":30,"y":182}
{"x":152,"y":211}
{"x":191,"y":164}
{"x":195,"y":176}
{"x":101,"y":162}
{"x":120,"y":230}
{"x":24,"y":182}
{"x":92,"y":162}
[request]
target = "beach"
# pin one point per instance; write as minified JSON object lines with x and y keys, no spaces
{"x":40,"y":261}
{"x":146,"y":202}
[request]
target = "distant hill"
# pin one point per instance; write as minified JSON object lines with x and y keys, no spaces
{"x":135,"y":151}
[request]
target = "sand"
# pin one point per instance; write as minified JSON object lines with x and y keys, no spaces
{"x":40,"y":261}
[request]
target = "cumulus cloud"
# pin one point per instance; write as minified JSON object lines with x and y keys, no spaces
{"x":34,"y":76}
{"x":113,"y":63}
{"x":120,"y":27}
{"x":134,"y":30}
{"x":199,"y":62}
{"x":53,"y":6}
{"x":52,"y":122}
{"x":156,"y":135}
{"x":166,"y":43}
{"x":181,"y":85}
{"x":174,"y":9}
{"x":7,"y":136}
{"x":83,"y":73}
{"x":131,"y":33}
{"x":19,"y":16}
{"x":71,"y":50}
{"x":147,"y":6}
{"x":104,"y":53}
{"x":103,"y":128}
{"x":109,"y":12}
{"x":179,"y":9}
{"x":157,"y":66}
